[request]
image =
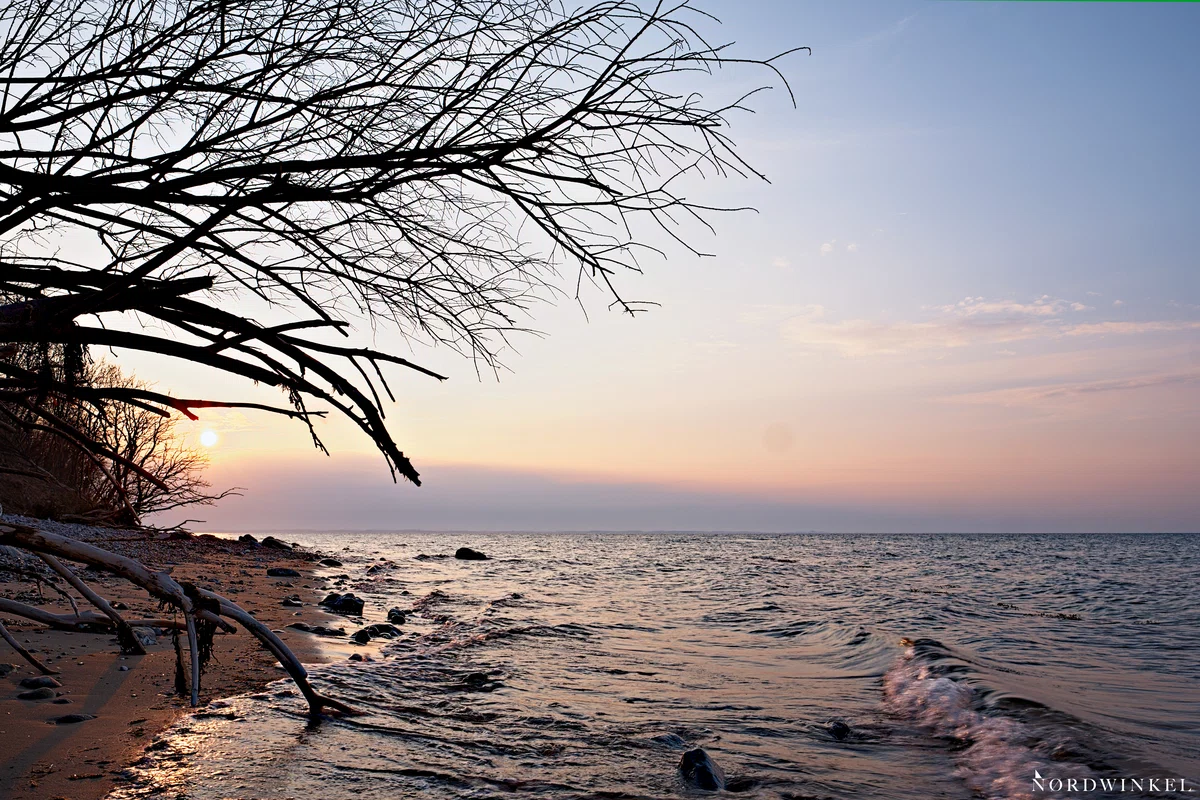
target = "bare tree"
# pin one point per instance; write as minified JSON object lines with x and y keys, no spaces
{"x":430,"y":164}
{"x":147,"y":444}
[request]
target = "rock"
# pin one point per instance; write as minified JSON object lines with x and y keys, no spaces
{"x":700,"y":771}
{"x":467,"y":554}
{"x":145,"y":635}
{"x":282,"y":572}
{"x":119,"y":606}
{"x":6,"y":669}
{"x":41,"y":682}
{"x":380,"y":629}
{"x":838,"y":730}
{"x":319,"y":630}
{"x":356,"y":657}
{"x":70,"y":719}
{"x":329,"y":562}
{"x":346,"y":604}
{"x":362,"y":637}
{"x":61,"y":701}
{"x":476,"y":679}
{"x":396,"y":616}
{"x":276,"y":544}
{"x":124,"y":668}
{"x":246,"y":538}
{"x":292,"y":601}
{"x":44,"y":693}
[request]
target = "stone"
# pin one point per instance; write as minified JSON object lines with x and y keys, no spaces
{"x":356,"y":657}
{"x":838,"y":730}
{"x":40,"y":682}
{"x":362,"y":637}
{"x":346,"y":604}
{"x":246,"y":538}
{"x":292,"y":601}
{"x":329,"y":562}
{"x":319,"y":630}
{"x":282,"y":572}
{"x":467,"y":554}
{"x":145,"y":636}
{"x":44,"y":693}
{"x":700,"y":771}
{"x":6,"y":669}
{"x":383,"y":630}
{"x":70,"y":719}
{"x":276,"y":544}
{"x":396,"y":616}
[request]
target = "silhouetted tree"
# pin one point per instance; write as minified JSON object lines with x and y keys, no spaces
{"x":431,"y":164}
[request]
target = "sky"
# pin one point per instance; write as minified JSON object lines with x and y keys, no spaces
{"x":968,"y":301}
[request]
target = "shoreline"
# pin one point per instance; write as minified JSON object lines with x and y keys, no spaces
{"x":132,"y":698}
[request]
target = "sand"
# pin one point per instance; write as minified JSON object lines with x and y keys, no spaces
{"x":81,"y":761}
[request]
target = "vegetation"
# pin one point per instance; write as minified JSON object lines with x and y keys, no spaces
{"x":232,"y":183}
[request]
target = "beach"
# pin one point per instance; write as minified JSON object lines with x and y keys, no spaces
{"x":132,"y":697}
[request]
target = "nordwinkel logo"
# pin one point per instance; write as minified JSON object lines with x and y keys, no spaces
{"x":1043,"y":784}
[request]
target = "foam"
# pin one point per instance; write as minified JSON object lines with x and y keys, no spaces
{"x":1003,"y":753}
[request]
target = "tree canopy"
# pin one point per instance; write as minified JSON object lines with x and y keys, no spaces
{"x":437,"y":165}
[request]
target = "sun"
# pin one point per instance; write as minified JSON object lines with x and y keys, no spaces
{"x":209,"y":438}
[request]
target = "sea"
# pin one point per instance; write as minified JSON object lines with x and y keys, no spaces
{"x":584,"y":665}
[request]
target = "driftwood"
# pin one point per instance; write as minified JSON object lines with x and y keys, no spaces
{"x":195,"y":603}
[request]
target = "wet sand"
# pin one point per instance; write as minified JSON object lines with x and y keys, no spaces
{"x":132,"y":697}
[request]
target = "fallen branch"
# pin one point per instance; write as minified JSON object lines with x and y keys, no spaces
{"x":163,"y":586}
{"x":129,"y":642}
{"x":25,"y":654}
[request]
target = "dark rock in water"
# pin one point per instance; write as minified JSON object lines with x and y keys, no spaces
{"x":44,"y":693}
{"x":838,"y":730}
{"x":282,"y":572}
{"x":62,"y":701}
{"x":292,"y":601}
{"x":319,"y":630}
{"x":40,"y":682}
{"x":396,"y":616}
{"x":272,"y":542}
{"x":246,"y":538}
{"x":381,"y":629}
{"x":70,"y":719}
{"x":329,"y":562}
{"x":362,"y":637}
{"x":467,"y":554}
{"x":356,"y":657}
{"x":343,"y":604}
{"x":700,"y":771}
{"x":5,"y":669}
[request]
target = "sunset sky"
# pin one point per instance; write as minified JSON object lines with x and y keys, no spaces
{"x":968,"y":301}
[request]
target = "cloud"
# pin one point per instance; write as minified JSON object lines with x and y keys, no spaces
{"x":1130,"y":328}
{"x":852,"y":247}
{"x":1118,"y":303}
{"x":970,"y":321}
{"x":827,"y":248}
{"x":781,"y":263}
{"x":1060,"y":392}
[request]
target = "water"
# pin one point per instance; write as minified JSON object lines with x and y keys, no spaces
{"x":582,"y":666}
